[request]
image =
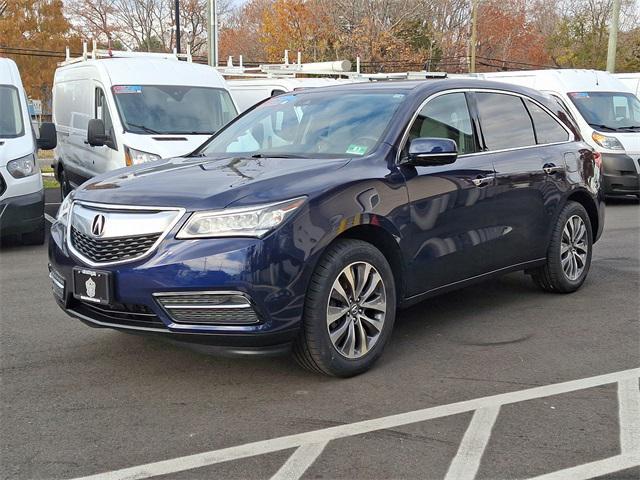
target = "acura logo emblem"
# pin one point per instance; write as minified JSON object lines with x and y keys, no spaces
{"x":97,"y":226}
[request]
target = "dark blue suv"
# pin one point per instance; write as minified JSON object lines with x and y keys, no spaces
{"x":306,"y":222}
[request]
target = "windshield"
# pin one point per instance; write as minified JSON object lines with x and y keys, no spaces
{"x":318,"y":124}
{"x":157,"y":109}
{"x":11,"y":124}
{"x":609,"y":111}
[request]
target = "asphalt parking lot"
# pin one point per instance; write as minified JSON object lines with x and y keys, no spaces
{"x":498,"y":380}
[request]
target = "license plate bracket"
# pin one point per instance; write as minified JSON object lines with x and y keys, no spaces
{"x":92,"y":285}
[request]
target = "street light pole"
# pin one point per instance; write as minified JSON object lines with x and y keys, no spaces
{"x":212,"y":33}
{"x":613,"y":37}
{"x":178,"y":26}
{"x":474,"y":35}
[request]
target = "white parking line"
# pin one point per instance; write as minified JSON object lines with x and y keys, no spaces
{"x":592,"y":469}
{"x":299,"y":462}
{"x":629,"y":412}
{"x":49,"y":218}
{"x":323,"y":436}
{"x":465,"y":464}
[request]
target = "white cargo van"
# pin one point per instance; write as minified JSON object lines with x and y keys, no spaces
{"x":607,"y":114}
{"x":21,"y":190}
{"x":631,"y":80}
{"x":118,"y":109}
{"x":249,"y":91}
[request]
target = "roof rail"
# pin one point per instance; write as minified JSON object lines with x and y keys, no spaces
{"x":339,"y":68}
{"x":97,"y":53}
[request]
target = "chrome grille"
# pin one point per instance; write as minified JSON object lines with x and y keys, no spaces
{"x":112,"y":249}
{"x":222,"y":316}
{"x":101,"y":234}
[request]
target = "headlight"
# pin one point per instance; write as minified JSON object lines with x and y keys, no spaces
{"x":611,"y":143}
{"x":136,"y":157}
{"x":254,"y":221}
{"x":65,"y":208}
{"x":23,"y":167}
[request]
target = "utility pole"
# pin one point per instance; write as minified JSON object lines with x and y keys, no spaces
{"x":613,"y":37}
{"x":212,"y":33}
{"x":474,"y":35}
{"x":178,"y":26}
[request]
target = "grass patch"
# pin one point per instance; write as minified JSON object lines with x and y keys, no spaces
{"x":50,"y":182}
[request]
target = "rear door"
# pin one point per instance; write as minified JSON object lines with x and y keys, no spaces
{"x":452,"y":230}
{"x":530,"y":170}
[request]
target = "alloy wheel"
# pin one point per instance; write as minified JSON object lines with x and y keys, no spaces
{"x":356,"y":310}
{"x":574,"y":247}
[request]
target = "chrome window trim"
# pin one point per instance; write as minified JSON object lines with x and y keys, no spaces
{"x":405,"y":136}
{"x":109,"y":206}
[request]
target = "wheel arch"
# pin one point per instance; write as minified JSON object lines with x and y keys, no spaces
{"x":384,"y":241}
{"x":584,"y":198}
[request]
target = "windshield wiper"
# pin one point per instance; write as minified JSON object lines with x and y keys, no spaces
{"x":603,"y":127}
{"x":630,"y":127}
{"x":143,"y":127}
{"x":276,"y":155}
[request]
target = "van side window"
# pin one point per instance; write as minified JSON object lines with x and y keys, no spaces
{"x":446,"y":116}
{"x":504,"y":120}
{"x":102,"y":111}
{"x":547,"y":128}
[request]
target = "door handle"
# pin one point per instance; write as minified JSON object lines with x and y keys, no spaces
{"x":550,"y":168}
{"x":482,"y":180}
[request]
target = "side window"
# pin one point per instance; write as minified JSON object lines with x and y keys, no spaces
{"x":102,"y":111}
{"x":504,"y":120}
{"x":547,"y":128}
{"x":446,"y":116}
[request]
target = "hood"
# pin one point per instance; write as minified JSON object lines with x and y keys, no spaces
{"x":208,"y":183}
{"x":166,"y":146}
{"x":12,"y":148}
{"x":630,"y":141}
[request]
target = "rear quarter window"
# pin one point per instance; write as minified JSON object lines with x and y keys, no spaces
{"x":504,"y":120}
{"x":547,"y":128}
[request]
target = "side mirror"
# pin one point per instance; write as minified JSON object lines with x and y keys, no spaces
{"x":96,"y":136}
{"x":48,"y":137}
{"x":427,"y":151}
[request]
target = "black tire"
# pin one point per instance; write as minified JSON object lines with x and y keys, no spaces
{"x":552,"y":277}
{"x":313,"y":348}
{"x":36,"y":237}
{"x":65,"y":187}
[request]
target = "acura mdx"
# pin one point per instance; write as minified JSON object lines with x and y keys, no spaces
{"x":305,"y":223}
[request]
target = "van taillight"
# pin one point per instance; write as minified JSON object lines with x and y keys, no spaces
{"x":597,"y":159}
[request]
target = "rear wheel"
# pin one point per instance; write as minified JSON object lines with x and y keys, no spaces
{"x":569,"y":252}
{"x":349,"y":310}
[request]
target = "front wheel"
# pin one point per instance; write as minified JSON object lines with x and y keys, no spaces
{"x":569,"y":252}
{"x":349,"y":310}
{"x":65,"y":187}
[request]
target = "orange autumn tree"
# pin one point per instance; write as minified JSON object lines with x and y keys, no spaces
{"x":40,"y":25}
{"x":506,"y":35}
{"x":298,"y":26}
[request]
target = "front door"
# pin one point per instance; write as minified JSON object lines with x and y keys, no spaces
{"x":453,"y":226}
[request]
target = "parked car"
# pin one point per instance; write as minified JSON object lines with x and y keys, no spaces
{"x":631,"y":80}
{"x":126,"y":108}
{"x":606,"y":113}
{"x":21,"y":189}
{"x":376,"y":196}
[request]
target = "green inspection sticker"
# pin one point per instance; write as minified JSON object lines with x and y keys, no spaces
{"x":357,"y":149}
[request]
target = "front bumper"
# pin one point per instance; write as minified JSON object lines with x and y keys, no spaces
{"x":620,"y":174}
{"x":272,"y":277}
{"x":22,"y":213}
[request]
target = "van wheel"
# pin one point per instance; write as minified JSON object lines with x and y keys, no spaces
{"x":569,"y":252}
{"x":36,"y":237}
{"x":65,"y":187}
{"x":349,"y":310}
